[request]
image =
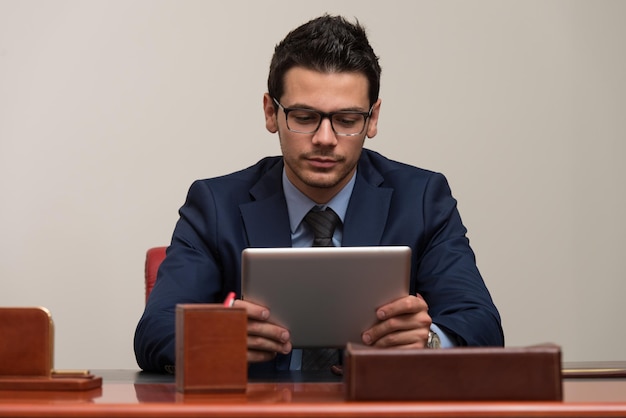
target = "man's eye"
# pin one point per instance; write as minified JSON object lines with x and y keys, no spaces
{"x":347,"y":120}
{"x":304,"y":118}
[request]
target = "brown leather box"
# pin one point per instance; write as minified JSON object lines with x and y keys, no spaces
{"x":453,"y":374}
{"x":211,"y":348}
{"x":26,"y":342}
{"x":26,"y":354}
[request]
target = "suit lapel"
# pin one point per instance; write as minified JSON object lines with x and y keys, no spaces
{"x":368,"y":210}
{"x":266,"y":219}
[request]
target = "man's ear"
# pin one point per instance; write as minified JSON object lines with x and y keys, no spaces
{"x":372,"y":126}
{"x":269,"y":109}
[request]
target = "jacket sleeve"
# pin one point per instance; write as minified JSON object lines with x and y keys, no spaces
{"x":190,"y":273}
{"x":447,"y":275}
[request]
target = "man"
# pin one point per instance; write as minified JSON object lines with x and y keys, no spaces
{"x":323,"y":102}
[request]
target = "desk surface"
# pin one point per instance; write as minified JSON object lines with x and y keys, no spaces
{"x":134,"y":394}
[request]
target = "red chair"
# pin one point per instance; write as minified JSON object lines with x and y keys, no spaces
{"x":154,"y":257}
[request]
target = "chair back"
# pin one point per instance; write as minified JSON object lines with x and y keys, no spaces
{"x":154,"y":257}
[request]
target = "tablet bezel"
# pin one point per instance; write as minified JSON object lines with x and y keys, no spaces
{"x":325,"y":296}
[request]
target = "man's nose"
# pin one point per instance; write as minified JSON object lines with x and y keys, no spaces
{"x":325,"y":134}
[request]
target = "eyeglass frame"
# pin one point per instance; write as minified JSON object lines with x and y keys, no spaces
{"x":324,"y":115}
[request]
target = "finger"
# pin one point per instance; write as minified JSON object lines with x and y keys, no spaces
{"x":257,"y":343}
{"x":265,"y":336}
{"x":253,"y":310}
{"x":392,"y":325}
{"x":406,"y":305}
{"x":419,"y":322}
{"x":268,"y":331}
{"x":410,"y":338}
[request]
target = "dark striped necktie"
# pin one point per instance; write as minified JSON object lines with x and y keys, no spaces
{"x":323,"y":224}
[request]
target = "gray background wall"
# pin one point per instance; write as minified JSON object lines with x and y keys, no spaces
{"x":110,"y":109}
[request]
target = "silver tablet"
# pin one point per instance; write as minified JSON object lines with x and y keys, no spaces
{"x":325,"y":296}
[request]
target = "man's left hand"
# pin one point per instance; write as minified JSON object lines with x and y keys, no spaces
{"x":403,"y":323}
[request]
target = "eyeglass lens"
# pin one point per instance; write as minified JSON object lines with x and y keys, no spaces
{"x":308,"y":121}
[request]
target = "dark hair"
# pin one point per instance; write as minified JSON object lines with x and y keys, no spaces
{"x":325,"y":44}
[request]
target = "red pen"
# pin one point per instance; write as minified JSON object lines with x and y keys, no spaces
{"x":230,"y":299}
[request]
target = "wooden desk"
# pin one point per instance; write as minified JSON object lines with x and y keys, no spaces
{"x":133,"y":394}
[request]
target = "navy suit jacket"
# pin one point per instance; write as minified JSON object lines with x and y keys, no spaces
{"x":391,"y":204}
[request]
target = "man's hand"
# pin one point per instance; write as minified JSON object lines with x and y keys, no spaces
{"x":264,"y":338}
{"x":403,"y":323}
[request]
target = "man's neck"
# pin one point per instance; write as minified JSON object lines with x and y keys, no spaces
{"x":319,"y":195}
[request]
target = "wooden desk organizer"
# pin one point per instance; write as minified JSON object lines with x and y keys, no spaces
{"x":26,"y":342}
{"x":453,"y":374}
{"x":211,"y":348}
{"x":27,"y":353}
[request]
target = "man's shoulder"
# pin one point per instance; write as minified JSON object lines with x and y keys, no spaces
{"x":238,"y":185}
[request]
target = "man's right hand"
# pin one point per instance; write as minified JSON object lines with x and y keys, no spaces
{"x":265,"y":339}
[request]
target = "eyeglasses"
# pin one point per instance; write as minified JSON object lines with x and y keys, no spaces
{"x":308,"y":121}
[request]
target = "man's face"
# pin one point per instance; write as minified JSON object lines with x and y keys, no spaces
{"x":319,"y":164}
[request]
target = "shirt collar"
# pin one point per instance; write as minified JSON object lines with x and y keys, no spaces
{"x":298,"y":205}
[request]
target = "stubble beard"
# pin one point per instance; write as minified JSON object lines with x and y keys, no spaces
{"x":312,"y":178}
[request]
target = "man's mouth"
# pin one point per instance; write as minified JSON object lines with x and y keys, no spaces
{"x":322,"y":162}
